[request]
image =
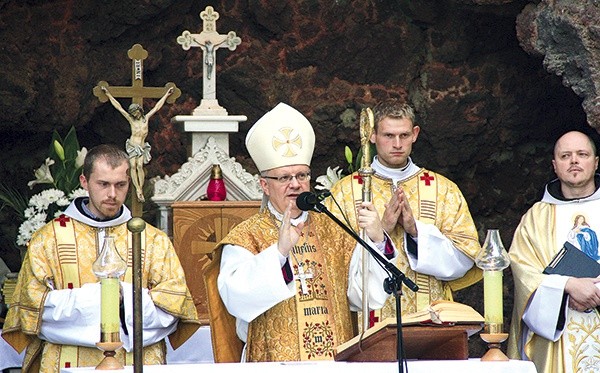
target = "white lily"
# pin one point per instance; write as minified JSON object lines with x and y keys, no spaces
{"x":80,"y":157}
{"x":43,"y":174}
{"x":327,"y":181}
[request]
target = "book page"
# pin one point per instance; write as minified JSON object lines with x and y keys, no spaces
{"x":442,"y":313}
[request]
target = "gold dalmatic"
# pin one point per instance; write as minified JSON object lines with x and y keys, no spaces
{"x":434,"y":200}
{"x":62,"y":254}
{"x":67,"y":252}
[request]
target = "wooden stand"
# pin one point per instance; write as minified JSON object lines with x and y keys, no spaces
{"x":197,"y":228}
{"x":419,"y":342}
{"x":109,"y":362}
{"x":494,"y":341}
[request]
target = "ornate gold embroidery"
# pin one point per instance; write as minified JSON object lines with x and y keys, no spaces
{"x":583,"y":342}
{"x":319,"y":340}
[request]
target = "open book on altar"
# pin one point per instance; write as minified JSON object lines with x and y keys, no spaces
{"x":439,"y":332}
{"x":443,"y":312}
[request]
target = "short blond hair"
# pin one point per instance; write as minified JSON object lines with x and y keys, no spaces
{"x":392,"y":109}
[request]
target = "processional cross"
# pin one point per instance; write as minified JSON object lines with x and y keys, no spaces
{"x":139,"y":126}
{"x":209,"y":40}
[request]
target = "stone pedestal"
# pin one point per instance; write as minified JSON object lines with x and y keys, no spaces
{"x":204,"y":126}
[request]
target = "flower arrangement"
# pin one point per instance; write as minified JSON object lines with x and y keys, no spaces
{"x":333,"y":175}
{"x":60,"y":175}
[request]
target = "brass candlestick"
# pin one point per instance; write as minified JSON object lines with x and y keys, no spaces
{"x":494,"y":337}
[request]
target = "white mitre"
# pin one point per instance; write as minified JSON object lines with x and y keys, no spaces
{"x":281,"y":137}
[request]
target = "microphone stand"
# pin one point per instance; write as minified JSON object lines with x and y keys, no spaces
{"x":392,"y":285}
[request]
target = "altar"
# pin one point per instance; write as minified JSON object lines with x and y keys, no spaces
{"x":420,"y":366}
{"x":196,"y":354}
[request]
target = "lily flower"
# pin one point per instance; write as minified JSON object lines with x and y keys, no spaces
{"x":80,"y":157}
{"x":60,"y":151}
{"x":327,"y":181}
{"x":348,"y":154}
{"x":43,"y":174}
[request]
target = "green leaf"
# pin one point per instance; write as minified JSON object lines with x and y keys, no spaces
{"x":64,"y":171}
{"x":359,"y":156}
{"x":11,"y":197}
{"x":71,"y":144}
{"x":51,"y":151}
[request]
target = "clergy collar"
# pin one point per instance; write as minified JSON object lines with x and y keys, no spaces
{"x":294,"y":221}
{"x":395,"y":173}
{"x":80,"y":212}
{"x":553,"y":194}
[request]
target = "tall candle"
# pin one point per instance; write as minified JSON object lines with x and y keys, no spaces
{"x":492,"y":297}
{"x":109,"y":314}
{"x":108,"y":267}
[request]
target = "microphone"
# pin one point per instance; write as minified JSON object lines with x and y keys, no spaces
{"x":308,"y":200}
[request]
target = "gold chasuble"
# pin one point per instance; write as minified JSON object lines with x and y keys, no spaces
{"x":60,"y":256}
{"x":310,"y":325}
{"x":433,"y":199}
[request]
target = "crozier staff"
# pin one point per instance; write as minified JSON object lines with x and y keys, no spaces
{"x":424,"y":213}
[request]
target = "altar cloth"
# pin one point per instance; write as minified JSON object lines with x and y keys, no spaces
{"x":415,"y":366}
{"x":197,"y":349}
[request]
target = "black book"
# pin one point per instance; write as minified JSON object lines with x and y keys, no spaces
{"x":570,"y":261}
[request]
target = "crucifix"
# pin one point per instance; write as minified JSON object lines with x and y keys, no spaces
{"x":137,"y":148}
{"x":209,"y":40}
{"x":302,"y":277}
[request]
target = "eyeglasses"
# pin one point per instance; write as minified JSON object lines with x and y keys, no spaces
{"x":300,"y":176}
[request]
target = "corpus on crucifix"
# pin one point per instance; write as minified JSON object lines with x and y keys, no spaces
{"x":209,"y":40}
{"x":136,"y":146}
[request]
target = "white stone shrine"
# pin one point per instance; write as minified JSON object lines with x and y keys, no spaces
{"x":210,"y":125}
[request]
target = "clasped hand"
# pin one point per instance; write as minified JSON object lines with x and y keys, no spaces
{"x":398,"y":211}
{"x":584,"y":293}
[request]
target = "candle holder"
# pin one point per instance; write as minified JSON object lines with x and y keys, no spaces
{"x":494,"y":337}
{"x":109,"y":266}
{"x":493,"y":259}
{"x":216,"y":190}
{"x":109,"y":362}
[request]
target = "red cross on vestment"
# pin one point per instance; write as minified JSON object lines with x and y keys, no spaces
{"x":426,"y":178}
{"x":372,"y":318}
{"x":359,"y":178}
{"x":62,"y":219}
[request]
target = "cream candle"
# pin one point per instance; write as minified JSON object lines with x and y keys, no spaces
{"x":109,"y":314}
{"x":109,"y":266}
{"x":493,"y":259}
{"x":492,"y":297}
